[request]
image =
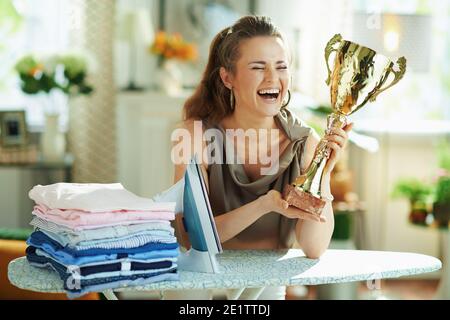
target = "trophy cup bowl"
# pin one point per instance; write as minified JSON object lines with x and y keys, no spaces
{"x":358,"y":76}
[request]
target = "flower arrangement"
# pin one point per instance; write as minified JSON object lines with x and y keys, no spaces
{"x":419,"y":194}
{"x":415,"y":190}
{"x":173,"y":46}
{"x":43,"y":74}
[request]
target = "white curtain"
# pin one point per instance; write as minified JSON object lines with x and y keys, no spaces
{"x":92,"y":129}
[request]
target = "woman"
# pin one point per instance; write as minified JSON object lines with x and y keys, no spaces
{"x":245,"y":87}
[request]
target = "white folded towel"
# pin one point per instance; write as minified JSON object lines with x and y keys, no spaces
{"x":173,"y":194}
{"x":94,"y":197}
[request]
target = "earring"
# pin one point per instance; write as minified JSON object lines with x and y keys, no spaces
{"x":231,"y":99}
{"x":289,"y":100}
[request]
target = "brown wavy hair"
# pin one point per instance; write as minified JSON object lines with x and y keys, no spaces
{"x":211,"y":99}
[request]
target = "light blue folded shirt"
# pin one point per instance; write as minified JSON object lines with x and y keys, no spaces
{"x":129,"y":241}
{"x":73,"y":238}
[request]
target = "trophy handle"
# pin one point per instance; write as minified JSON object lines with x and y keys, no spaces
{"x":398,"y":75}
{"x":328,"y":50}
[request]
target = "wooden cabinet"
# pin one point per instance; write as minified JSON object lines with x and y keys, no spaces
{"x":16,"y":180}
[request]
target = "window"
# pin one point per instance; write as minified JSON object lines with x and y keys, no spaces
{"x":39,"y":27}
{"x":424,"y":93}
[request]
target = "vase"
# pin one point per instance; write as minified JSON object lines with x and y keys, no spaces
{"x":53,"y":140}
{"x":170,"y":78}
{"x":418,"y":216}
{"x":441,"y":213}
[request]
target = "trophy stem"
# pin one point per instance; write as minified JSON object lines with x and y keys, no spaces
{"x":305,"y":192}
{"x":306,"y":182}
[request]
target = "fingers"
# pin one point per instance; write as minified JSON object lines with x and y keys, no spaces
{"x":337,"y":131}
{"x":277,"y":201}
{"x":348,"y":127}
{"x":338,"y":136}
{"x":283,"y":204}
{"x":334,"y":146}
{"x":295,"y":213}
{"x":337,"y":139}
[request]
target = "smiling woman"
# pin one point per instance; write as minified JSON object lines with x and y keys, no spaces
{"x":231,"y":77}
{"x":244,"y":89}
{"x":263,"y":60}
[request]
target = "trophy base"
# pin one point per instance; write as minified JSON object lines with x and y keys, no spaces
{"x":303,"y":200}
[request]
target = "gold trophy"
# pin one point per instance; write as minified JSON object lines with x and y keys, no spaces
{"x":359,"y":75}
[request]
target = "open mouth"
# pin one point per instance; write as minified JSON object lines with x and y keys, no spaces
{"x":269,"y":94}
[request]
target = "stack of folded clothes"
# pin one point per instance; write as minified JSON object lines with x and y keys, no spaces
{"x":101,"y":236}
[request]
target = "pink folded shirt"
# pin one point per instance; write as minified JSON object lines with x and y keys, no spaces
{"x":79,"y":220}
{"x":94,"y":197}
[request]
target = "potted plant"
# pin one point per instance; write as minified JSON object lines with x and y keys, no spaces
{"x":418,"y":193}
{"x":66,"y":72}
{"x":48,"y":78}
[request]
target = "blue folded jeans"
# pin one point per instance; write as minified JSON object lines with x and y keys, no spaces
{"x":39,"y":238}
{"x":107,"y":266}
{"x":76,"y":286}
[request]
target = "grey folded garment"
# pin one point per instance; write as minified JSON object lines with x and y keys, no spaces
{"x":132,"y":240}
{"x":73,"y":238}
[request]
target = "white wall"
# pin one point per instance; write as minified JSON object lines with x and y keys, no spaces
{"x":386,"y":219}
{"x":317,"y":22}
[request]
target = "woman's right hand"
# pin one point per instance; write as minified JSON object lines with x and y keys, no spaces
{"x":273,"y":201}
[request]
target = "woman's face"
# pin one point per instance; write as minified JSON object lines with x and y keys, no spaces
{"x":262,"y":77}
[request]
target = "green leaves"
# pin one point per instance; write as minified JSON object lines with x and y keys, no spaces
{"x":413,"y":189}
{"x":442,"y":195}
{"x":321,"y":110}
{"x":444,"y":155}
{"x":32,"y":85}
{"x":67,"y":73}
{"x":10,"y":19}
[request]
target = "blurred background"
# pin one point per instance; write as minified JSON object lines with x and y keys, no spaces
{"x":91,"y":90}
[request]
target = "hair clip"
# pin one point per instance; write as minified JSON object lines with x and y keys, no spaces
{"x":230,"y":30}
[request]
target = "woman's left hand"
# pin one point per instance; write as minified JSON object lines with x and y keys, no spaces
{"x":337,"y":140}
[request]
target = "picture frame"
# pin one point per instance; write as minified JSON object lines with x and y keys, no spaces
{"x":198,"y":21}
{"x":13,"y":129}
{"x":191,"y":8}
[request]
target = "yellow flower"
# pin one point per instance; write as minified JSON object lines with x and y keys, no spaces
{"x":173,"y":47}
{"x":36,"y":70}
